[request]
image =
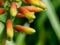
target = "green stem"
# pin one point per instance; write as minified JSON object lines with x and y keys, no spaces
{"x":21,"y":39}
{"x":42,"y":37}
{"x":4,"y":39}
{"x":42,"y":29}
{"x":52,"y":17}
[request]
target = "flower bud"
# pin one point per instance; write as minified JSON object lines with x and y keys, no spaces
{"x":33,"y":8}
{"x":9,"y":29}
{"x":36,"y":3}
{"x":13,"y":9}
{"x":1,"y":2}
{"x":42,"y":5}
{"x":27,"y":30}
{"x":2,"y":10}
{"x":28,"y":14}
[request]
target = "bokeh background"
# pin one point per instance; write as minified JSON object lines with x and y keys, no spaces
{"x":46,"y":24}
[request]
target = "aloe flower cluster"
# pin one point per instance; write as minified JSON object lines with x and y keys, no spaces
{"x":27,"y":12}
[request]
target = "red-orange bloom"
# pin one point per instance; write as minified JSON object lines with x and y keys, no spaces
{"x":27,"y":30}
{"x":33,"y":8}
{"x":9,"y":28}
{"x":1,"y":2}
{"x":13,"y":9}
{"x":29,"y":15}
{"x":2,"y":10}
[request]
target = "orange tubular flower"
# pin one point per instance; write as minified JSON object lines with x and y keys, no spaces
{"x":2,"y":10}
{"x":27,"y":13}
{"x":9,"y":29}
{"x":13,"y":9}
{"x":1,"y":2}
{"x":33,"y":8}
{"x":27,"y":30}
{"x":36,"y":3}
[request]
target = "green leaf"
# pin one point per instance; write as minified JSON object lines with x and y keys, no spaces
{"x":6,"y":5}
{"x":1,"y":31}
{"x":56,"y":3}
{"x":21,"y":39}
{"x":19,"y":4}
{"x":3,"y":17}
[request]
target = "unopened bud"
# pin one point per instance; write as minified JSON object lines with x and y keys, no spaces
{"x":27,"y":30}
{"x":28,"y":14}
{"x":13,"y":9}
{"x":42,"y":5}
{"x":9,"y":29}
{"x":36,"y":3}
{"x":2,"y":10}
{"x":1,"y":2}
{"x":33,"y":8}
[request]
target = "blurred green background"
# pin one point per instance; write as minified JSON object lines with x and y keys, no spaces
{"x":46,"y":24}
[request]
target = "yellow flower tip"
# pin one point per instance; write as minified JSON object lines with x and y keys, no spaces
{"x":42,"y":5}
{"x":33,"y":30}
{"x":30,"y":16}
{"x":37,"y":3}
{"x":29,"y":30}
{"x":40,"y":9}
{"x":10,"y":34}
